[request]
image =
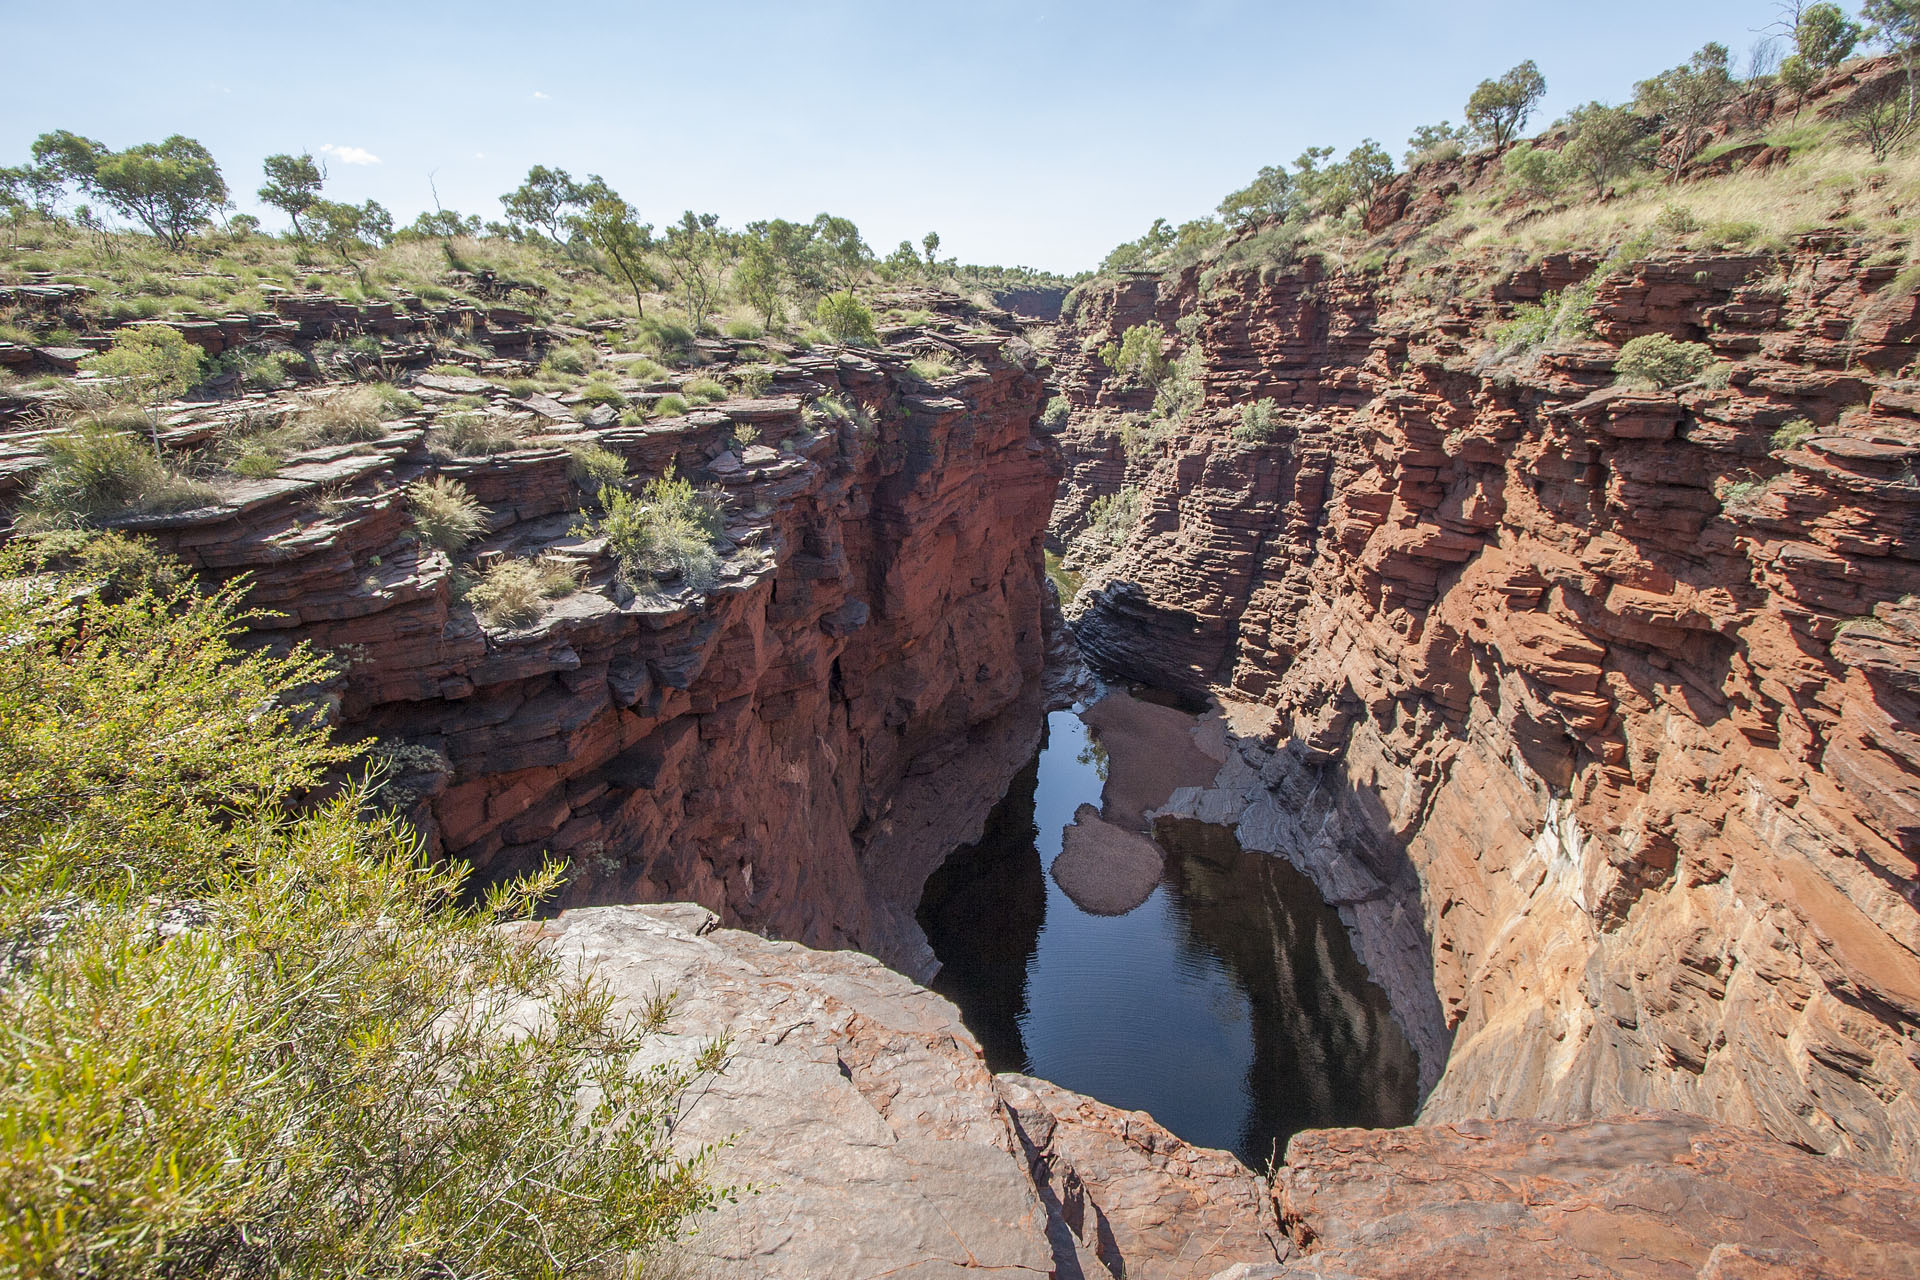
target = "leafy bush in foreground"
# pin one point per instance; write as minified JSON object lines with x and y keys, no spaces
{"x":245,"y":1039}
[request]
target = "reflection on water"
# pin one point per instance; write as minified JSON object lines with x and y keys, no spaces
{"x":1230,"y":1005}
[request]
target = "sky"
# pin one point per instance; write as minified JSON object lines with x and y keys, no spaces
{"x":1029,"y":132}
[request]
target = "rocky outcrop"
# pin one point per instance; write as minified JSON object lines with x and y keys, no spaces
{"x":1653,"y":1195}
{"x":876,"y":1144}
{"x":764,"y":748}
{"x":1592,"y":709}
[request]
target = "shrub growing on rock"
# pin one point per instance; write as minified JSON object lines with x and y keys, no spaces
{"x":1054,"y":416}
{"x":1111,"y":519}
{"x":147,"y":365}
{"x":846,"y":319}
{"x":513,"y":592}
{"x":472,"y":434}
{"x":592,"y":467}
{"x":445,"y":515}
{"x":1140,"y":355}
{"x":101,"y":469}
{"x":1660,"y":361}
{"x":1259,"y":422}
{"x":250,"y":1037}
{"x":666,"y":533}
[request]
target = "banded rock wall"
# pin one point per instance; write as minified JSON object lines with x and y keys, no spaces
{"x":1593,"y":710}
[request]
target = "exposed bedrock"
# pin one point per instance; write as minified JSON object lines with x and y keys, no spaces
{"x":768,"y":749}
{"x":1594,"y":711}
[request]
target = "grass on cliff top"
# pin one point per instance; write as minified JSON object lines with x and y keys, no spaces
{"x":252,"y":1034}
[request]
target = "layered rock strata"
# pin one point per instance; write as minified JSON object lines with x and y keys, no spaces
{"x":878,"y":615}
{"x":1593,"y":709}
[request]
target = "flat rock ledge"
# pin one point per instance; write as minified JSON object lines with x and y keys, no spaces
{"x":876,"y":1143}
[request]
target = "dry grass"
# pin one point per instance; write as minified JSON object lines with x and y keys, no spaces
{"x":513,"y":592}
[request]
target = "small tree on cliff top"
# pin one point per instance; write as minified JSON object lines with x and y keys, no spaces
{"x":1499,"y":109}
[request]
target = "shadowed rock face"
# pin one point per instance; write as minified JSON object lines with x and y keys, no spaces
{"x":1612,"y":769}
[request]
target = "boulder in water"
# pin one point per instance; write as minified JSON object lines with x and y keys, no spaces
{"x":1106,"y":870}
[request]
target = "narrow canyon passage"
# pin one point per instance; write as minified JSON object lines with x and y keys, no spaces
{"x":1175,"y":974}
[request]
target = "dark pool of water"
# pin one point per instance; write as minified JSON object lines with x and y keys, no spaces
{"x":1230,"y":1004}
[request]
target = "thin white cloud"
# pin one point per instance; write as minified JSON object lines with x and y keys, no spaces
{"x":541,"y":97}
{"x":349,"y":155}
{"x":479,"y":155}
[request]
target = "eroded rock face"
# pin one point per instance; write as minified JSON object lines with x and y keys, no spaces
{"x":1593,"y":710}
{"x":766,"y":748}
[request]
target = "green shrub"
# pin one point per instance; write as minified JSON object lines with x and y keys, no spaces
{"x":845,"y":319}
{"x":395,"y":401}
{"x":592,"y":467}
{"x":598,"y":392}
{"x":665,"y":339}
{"x":1661,"y":361}
{"x":445,"y":515}
{"x":261,"y":370}
{"x":746,"y":330}
{"x":354,"y":415}
{"x":704,"y":391}
{"x":513,"y":592}
{"x":669,"y":405}
{"x":1139,"y":356}
{"x":252,"y":1037}
{"x":1259,"y":422}
{"x":666,"y":533}
{"x":1112,"y":517}
{"x":754,"y":380}
{"x":101,"y":469}
{"x":1740,"y":497}
{"x":645,"y":371}
{"x":1054,"y":416}
{"x":1533,"y":172}
{"x":472,"y":435}
{"x":930,"y":368}
{"x":148,"y":364}
{"x":1791,"y":434}
{"x":573,"y":360}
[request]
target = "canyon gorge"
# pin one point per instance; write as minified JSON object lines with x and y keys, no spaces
{"x":1524,"y":756}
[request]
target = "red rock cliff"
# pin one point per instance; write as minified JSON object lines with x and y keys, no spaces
{"x":1595,"y":711}
{"x":879,"y":610}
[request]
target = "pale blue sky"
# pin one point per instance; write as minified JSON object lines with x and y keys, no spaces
{"x":1025,"y":131}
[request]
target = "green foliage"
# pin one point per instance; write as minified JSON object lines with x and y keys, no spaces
{"x":1111,"y":518}
{"x":1140,"y":355}
{"x":1825,"y":37}
{"x":846,"y":319}
{"x":1533,"y":172}
{"x":930,"y":368}
{"x":743,"y":329}
{"x":670,"y":405}
{"x":1688,"y":98}
{"x":611,"y":225}
{"x":351,"y":416}
{"x":1436,"y":144}
{"x":1556,"y":317}
{"x":100,"y":469}
{"x":1792,"y":433}
{"x":513,"y":592}
{"x":292,"y":186}
{"x":695,"y":255}
{"x":1607,"y":143}
{"x":1740,"y":497}
{"x":1054,"y":416}
{"x":667,"y":340}
{"x":602,"y":392}
{"x":754,"y":380}
{"x":171,"y":188}
{"x":472,"y":435}
{"x":704,"y":391}
{"x":594,"y":468}
{"x":148,"y":364}
{"x":544,"y":205}
{"x":1661,"y":361}
{"x":1499,"y":109}
{"x":247,"y":1038}
{"x":445,"y":516}
{"x":666,"y":533}
{"x":1259,"y":422}
{"x":348,"y":229}
{"x":261,"y":370}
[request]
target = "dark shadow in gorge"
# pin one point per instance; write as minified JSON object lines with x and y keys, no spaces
{"x":1326,"y":1048}
{"x":982,"y":911}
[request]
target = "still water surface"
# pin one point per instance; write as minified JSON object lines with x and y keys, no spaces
{"x":1230,"y":1004}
